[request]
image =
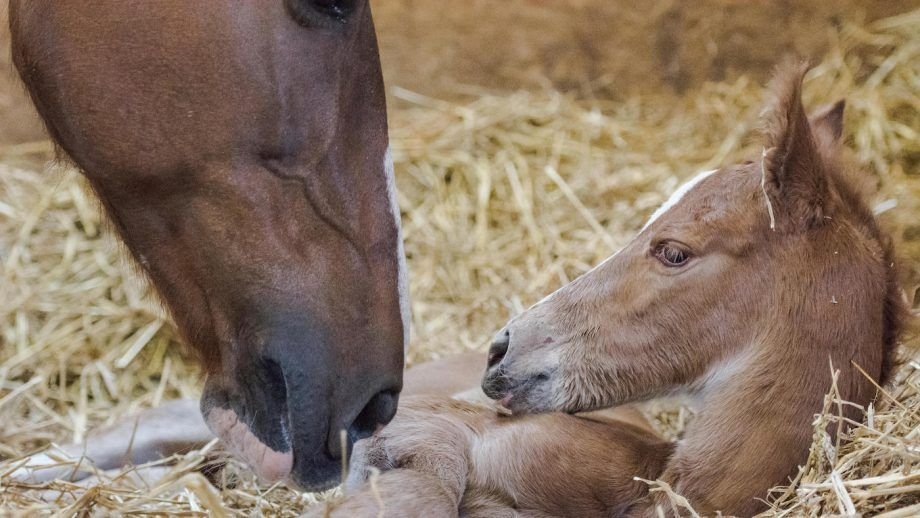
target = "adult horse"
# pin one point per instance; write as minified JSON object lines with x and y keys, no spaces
{"x":240,"y":150}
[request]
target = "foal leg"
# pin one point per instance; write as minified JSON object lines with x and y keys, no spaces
{"x":399,"y":493}
{"x":445,"y":376}
{"x":177,"y":427}
{"x":415,"y":466}
{"x":425,"y":436}
{"x":479,"y":503}
{"x":152,"y":434}
{"x":137,"y":478}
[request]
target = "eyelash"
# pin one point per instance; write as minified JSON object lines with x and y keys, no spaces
{"x":671,"y":255}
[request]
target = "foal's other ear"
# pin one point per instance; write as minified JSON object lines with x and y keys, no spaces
{"x":827,"y":122}
{"x":795,"y":179}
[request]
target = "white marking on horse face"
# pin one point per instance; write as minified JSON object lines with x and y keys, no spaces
{"x":402,"y":281}
{"x":666,"y":206}
{"x":677,"y":196}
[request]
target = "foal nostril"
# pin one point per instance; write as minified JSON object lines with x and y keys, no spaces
{"x":499,"y":347}
{"x":378,"y":412}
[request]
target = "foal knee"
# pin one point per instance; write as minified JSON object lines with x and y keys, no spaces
{"x":398,"y":493}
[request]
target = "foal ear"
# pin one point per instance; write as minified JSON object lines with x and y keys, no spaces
{"x":827,"y":123}
{"x":795,"y":179}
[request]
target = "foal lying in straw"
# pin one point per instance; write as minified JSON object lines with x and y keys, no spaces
{"x":743,"y":290}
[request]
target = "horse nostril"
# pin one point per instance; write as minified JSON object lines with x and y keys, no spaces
{"x":499,"y":347}
{"x":378,"y":412}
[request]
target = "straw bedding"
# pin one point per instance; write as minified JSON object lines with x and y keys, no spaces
{"x":504,"y":198}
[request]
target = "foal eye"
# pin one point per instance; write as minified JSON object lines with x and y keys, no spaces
{"x":671,"y":254}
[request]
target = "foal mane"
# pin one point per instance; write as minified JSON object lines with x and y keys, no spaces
{"x":848,"y":179}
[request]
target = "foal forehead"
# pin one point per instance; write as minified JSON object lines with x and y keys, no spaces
{"x":678,"y":195}
{"x":705,"y":196}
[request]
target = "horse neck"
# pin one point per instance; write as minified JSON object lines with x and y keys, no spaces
{"x":758,"y":406}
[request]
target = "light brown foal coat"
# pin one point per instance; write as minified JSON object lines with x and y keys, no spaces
{"x":447,"y":457}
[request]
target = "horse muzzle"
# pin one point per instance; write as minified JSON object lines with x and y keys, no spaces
{"x":293,"y":412}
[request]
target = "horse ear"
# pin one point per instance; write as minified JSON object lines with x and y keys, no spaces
{"x":794,"y":171}
{"x":827,"y":122}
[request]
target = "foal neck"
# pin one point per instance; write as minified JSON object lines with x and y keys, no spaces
{"x":823,"y":313}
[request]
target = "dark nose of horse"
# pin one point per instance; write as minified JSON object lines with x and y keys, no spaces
{"x":499,"y":347}
{"x":376,"y":413}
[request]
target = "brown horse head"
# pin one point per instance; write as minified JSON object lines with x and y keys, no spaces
{"x":735,"y":259}
{"x":240,"y":149}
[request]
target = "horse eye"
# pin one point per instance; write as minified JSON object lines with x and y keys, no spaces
{"x":671,"y":255}
{"x":320,"y":13}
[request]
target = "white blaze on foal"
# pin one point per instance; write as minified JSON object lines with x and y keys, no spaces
{"x":677,"y":196}
{"x":673,"y":200}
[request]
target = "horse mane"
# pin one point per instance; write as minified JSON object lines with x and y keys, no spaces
{"x":850,"y":182}
{"x":848,"y":178}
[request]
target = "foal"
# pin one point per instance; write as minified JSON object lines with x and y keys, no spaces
{"x":744,"y":289}
{"x":741,"y":290}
